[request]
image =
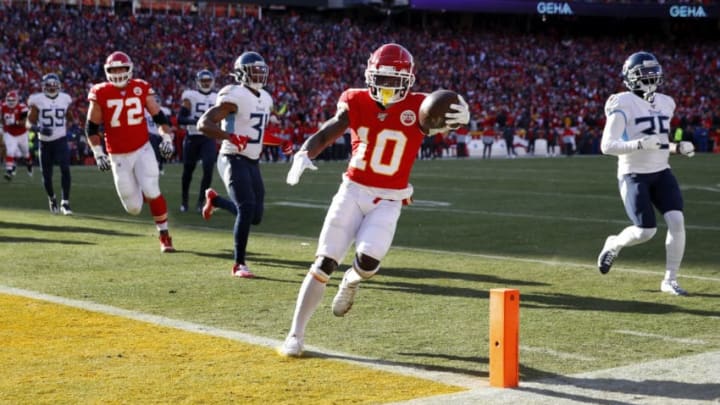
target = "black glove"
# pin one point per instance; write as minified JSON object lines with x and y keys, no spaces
{"x":46,"y":131}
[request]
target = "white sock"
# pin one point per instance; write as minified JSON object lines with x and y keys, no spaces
{"x":357,"y":275}
{"x":674,"y":243}
{"x":309,"y":297}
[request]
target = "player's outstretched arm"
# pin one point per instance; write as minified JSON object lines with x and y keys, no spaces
{"x":325,"y":136}
{"x":329,"y":131}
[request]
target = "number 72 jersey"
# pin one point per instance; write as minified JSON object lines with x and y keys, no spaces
{"x":642,"y":118}
{"x":123,"y":111}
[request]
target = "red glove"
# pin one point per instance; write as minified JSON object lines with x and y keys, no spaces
{"x":287,"y":148}
{"x":240,"y":141}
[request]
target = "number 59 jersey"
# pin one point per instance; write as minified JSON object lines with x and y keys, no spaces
{"x":123,"y":111}
{"x":642,"y":118}
{"x":51,"y":113}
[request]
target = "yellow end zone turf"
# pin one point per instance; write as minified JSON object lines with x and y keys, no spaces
{"x":51,"y":353}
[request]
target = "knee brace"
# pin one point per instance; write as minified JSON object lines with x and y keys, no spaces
{"x":366,"y":266}
{"x":326,"y":264}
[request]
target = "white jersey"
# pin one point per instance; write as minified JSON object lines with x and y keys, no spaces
{"x":153,"y":128}
{"x":641,"y":118}
{"x":250,"y":118}
{"x":52,"y":113}
{"x":199,"y":103}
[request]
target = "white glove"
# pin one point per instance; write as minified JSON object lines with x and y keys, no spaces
{"x":686,"y":149}
{"x":101,"y":159}
{"x":301,"y":161}
{"x":166,"y":149}
{"x":649,"y":142}
{"x":461,"y":116}
{"x":103,"y":163}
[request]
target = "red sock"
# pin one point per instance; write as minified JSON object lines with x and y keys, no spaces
{"x":158,"y":209}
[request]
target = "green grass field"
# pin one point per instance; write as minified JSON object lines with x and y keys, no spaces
{"x":532,"y":224}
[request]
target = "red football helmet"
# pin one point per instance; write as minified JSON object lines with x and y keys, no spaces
{"x":12,"y":98}
{"x":389,"y":74}
{"x":118,"y":60}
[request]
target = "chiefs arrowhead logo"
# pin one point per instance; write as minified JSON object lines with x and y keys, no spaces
{"x":408,"y":117}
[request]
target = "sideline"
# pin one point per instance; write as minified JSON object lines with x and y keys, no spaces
{"x":687,"y":380}
{"x":691,"y":380}
{"x":464,"y":381}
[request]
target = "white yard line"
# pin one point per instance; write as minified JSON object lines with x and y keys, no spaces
{"x":661,"y":337}
{"x":564,"y":218}
{"x":691,"y":380}
{"x":616,"y":268}
{"x":555,"y":353}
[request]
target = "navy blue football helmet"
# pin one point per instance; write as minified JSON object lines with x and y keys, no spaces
{"x":51,"y":84}
{"x":642,"y":74}
{"x":205,"y":80}
{"x":251,"y":70}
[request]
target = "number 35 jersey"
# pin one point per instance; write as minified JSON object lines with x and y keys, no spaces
{"x":642,"y":118}
{"x":250,"y":118}
{"x":123,"y":111}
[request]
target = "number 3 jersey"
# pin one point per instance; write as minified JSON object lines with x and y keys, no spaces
{"x":51,"y":113}
{"x":642,"y":118}
{"x":385,"y":141}
{"x":250,"y":119}
{"x":123,"y":111}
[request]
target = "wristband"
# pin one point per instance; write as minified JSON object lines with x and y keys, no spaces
{"x":97,"y":150}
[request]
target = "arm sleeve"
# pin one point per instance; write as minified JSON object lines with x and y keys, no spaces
{"x":612,"y":138}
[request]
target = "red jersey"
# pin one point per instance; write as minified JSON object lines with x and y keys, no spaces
{"x":123,"y":111}
{"x":385,"y":141}
{"x":14,"y":118}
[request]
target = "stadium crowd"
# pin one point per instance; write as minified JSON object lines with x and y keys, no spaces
{"x":530,"y":78}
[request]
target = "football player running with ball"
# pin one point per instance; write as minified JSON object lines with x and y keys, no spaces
{"x":386,"y":137}
{"x":119,"y":105}
{"x":239,"y":117}
{"x":636,"y":131}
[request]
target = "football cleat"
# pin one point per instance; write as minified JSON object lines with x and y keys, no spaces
{"x":183,"y":207}
{"x":292,"y":347}
{"x":30,"y":170}
{"x":65,"y":208}
{"x":672,"y":287}
{"x":208,"y":208}
{"x":607,"y":256}
{"x":166,"y":245}
{"x":345,"y":296}
{"x":52,"y":202}
{"x":8,"y":175}
{"x":241,"y":270}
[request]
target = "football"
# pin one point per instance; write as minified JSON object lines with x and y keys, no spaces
{"x":433,"y":108}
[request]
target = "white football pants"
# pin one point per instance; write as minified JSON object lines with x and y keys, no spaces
{"x":356,"y":214}
{"x":136,"y":174}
